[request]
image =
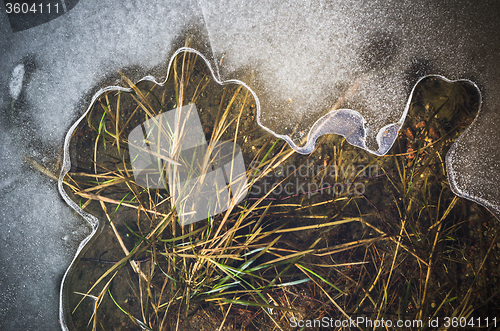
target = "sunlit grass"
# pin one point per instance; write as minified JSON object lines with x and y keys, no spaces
{"x":391,"y":252}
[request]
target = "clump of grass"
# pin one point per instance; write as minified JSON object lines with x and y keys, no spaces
{"x":165,"y":272}
{"x":386,"y":252}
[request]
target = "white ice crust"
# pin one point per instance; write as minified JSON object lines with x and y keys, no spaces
{"x":16,"y":82}
{"x":300,"y":58}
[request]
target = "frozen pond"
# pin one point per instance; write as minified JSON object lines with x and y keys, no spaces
{"x":304,"y":61}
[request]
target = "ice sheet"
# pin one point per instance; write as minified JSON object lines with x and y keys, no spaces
{"x":348,"y":67}
{"x":303,"y":59}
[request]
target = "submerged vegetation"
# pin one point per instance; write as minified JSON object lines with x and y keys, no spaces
{"x":336,"y":235}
